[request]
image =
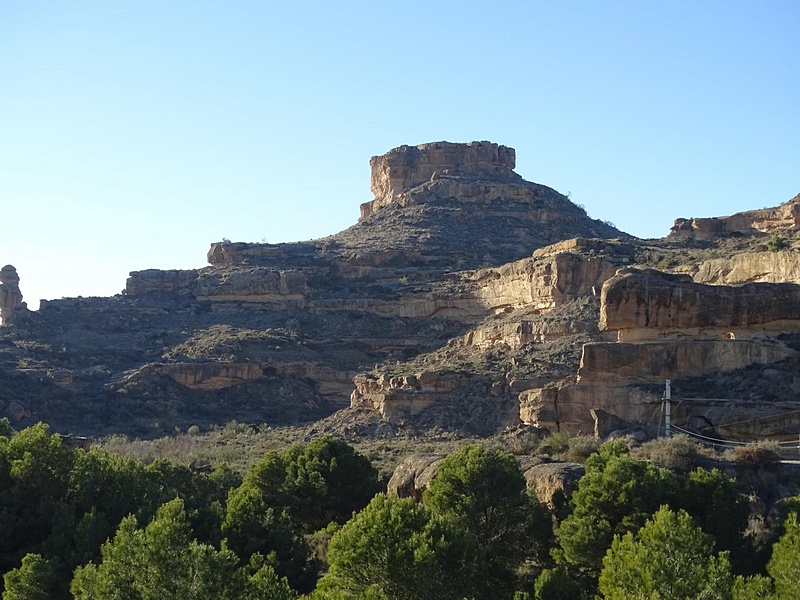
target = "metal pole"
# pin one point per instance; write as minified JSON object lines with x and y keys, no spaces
{"x":667,"y":431}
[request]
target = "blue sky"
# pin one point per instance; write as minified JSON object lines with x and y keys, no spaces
{"x":134,"y":134}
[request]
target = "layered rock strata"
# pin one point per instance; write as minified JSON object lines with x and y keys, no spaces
{"x":785,"y":216}
{"x":649,"y":304}
{"x":750,"y":267}
{"x":515,"y":302}
{"x":669,"y":327}
{"x":406,"y":167}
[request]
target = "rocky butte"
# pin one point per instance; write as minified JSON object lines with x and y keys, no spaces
{"x":463,"y":301}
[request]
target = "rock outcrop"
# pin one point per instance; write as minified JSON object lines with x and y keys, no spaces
{"x":406,"y":167}
{"x":766,"y":220}
{"x":414,"y":475}
{"x":10,"y":294}
{"x":552,"y":483}
{"x":156,"y":280}
{"x":669,"y":327}
{"x":199,"y":376}
{"x":464,"y":299}
{"x":649,"y":304}
{"x":750,"y":267}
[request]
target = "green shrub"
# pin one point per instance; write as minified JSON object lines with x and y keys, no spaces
{"x":582,"y":447}
{"x":556,"y":443}
{"x":777,"y":243}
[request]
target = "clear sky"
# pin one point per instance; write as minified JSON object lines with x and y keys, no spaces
{"x":134,"y":134}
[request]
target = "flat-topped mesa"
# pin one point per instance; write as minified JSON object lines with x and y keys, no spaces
{"x":10,"y":294}
{"x":765,"y":220}
{"x":406,"y":167}
{"x":648,"y":304}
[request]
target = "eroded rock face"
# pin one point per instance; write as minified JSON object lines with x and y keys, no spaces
{"x":10,"y":294}
{"x":256,"y":284}
{"x":669,"y":327}
{"x":201,"y":376}
{"x":403,"y":396}
{"x":156,"y":280}
{"x":408,"y":166}
{"x":649,"y":304}
{"x":554,"y":275}
{"x":750,"y":267}
{"x":785,"y":216}
{"x":654,"y":361}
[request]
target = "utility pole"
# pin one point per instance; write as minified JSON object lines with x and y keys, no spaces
{"x":667,"y":431}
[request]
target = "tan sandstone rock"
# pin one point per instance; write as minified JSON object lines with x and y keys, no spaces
{"x":750,"y":267}
{"x":649,"y":304}
{"x":409,"y":166}
{"x":785,"y":216}
{"x":10,"y":294}
{"x":200,"y":376}
{"x":414,"y":475}
{"x":554,"y":275}
{"x":553,"y":483}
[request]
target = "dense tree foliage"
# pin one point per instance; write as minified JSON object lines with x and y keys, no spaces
{"x":96,"y":525}
{"x":712,"y":500}
{"x":484,"y":493}
{"x":35,"y":579}
{"x":163,"y":561}
{"x":326,"y":481}
{"x":784,"y":566}
{"x":617,"y":494}
{"x":400,"y":550}
{"x":669,"y":558}
{"x":556,"y":584}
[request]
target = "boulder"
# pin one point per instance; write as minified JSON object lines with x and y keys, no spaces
{"x":414,"y":475}
{"x":553,"y":483}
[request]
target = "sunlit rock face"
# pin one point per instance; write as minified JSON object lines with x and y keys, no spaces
{"x":765,"y":220}
{"x":647,"y":304}
{"x":10,"y":294}
{"x":474,"y":169}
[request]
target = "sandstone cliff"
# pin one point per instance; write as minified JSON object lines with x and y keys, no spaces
{"x":669,"y":327}
{"x":287,"y":327}
{"x":783,"y":217}
{"x":464,"y":300}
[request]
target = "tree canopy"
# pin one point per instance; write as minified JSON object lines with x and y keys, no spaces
{"x":669,"y":558}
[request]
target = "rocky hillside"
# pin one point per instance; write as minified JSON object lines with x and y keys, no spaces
{"x":464,"y":300}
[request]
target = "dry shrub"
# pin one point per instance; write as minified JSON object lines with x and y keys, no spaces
{"x":755,"y":456}
{"x":677,"y":453}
